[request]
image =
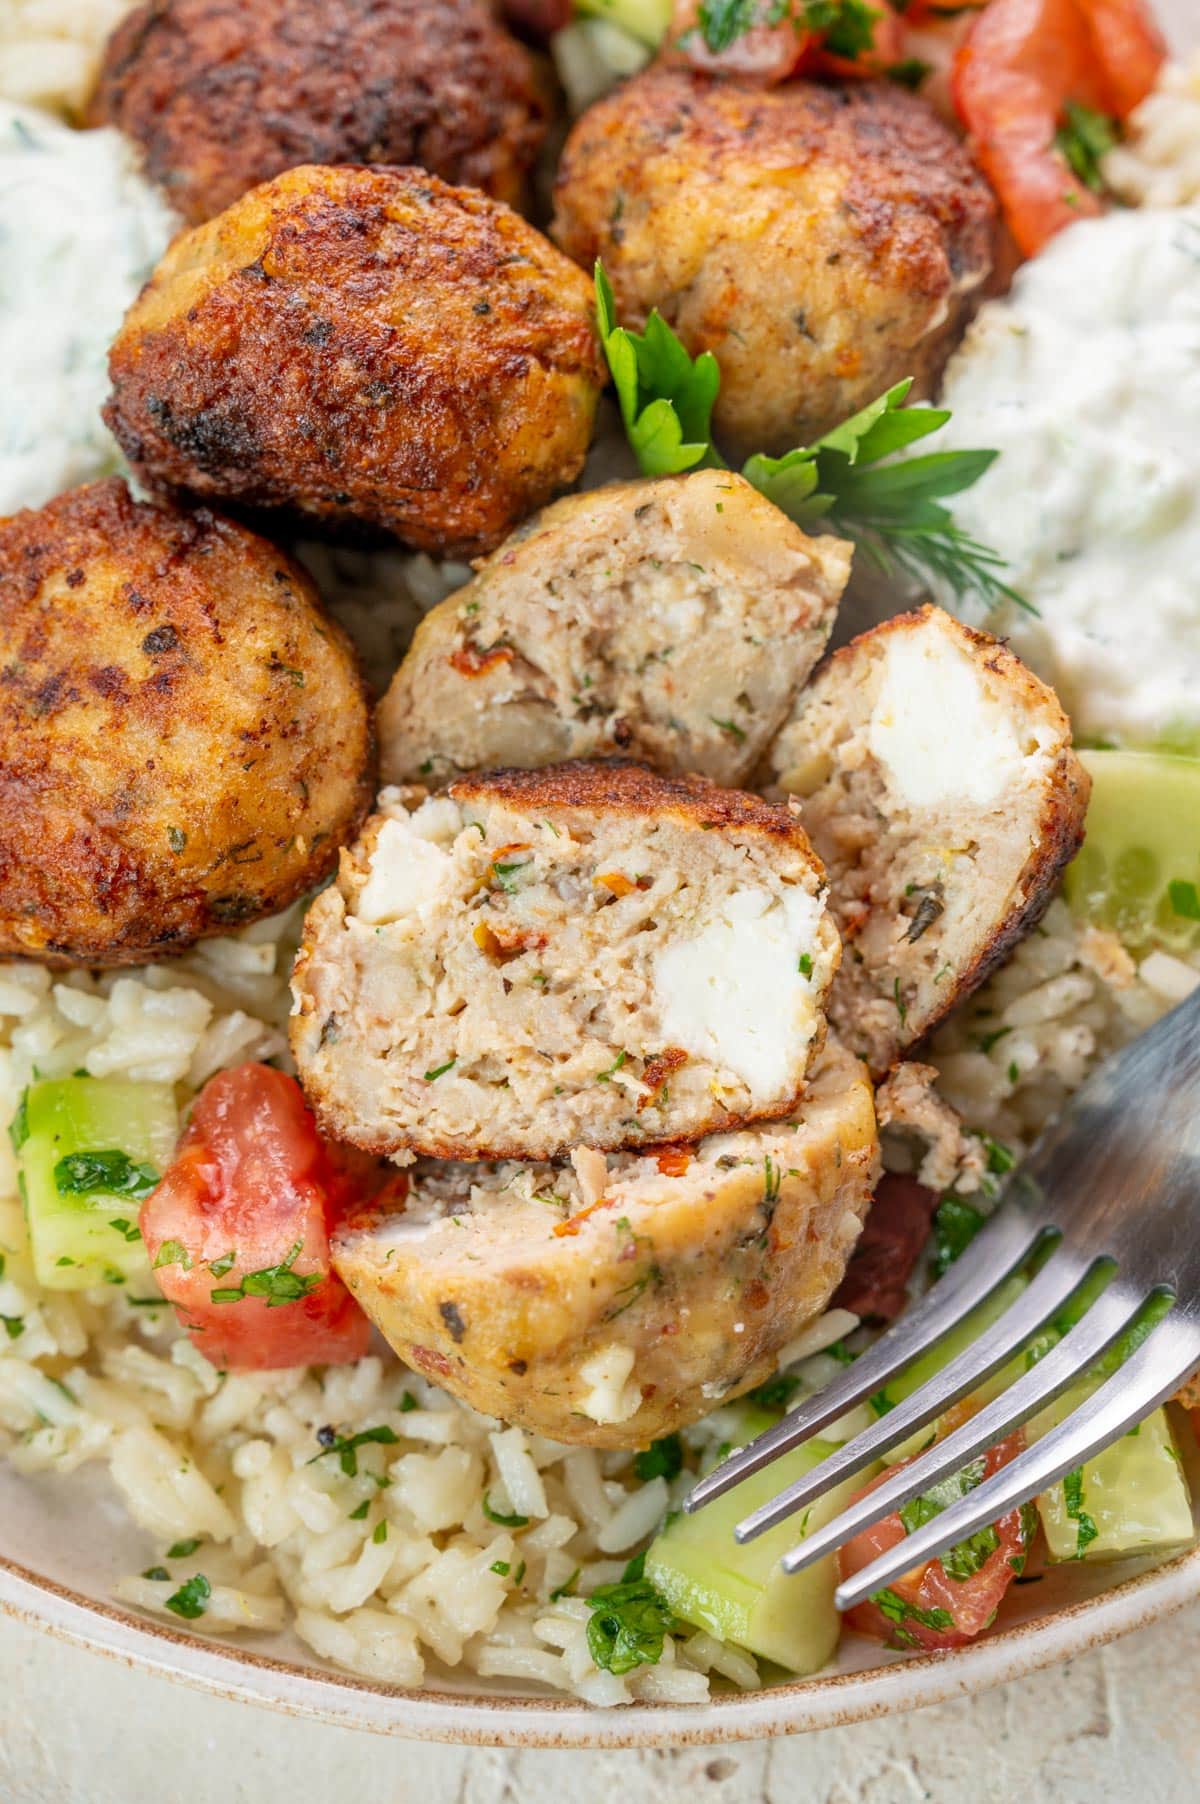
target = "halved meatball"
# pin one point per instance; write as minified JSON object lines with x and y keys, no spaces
{"x":608,"y":1308}
{"x":184,"y":737}
{"x":221,"y":95}
{"x":362,"y":348}
{"x":672,"y":620}
{"x":587,"y":955}
{"x":823,"y":242}
{"x":939,"y":786}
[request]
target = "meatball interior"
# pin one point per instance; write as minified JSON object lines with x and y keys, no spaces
{"x":222,"y":95}
{"x":362,"y":348}
{"x":582,"y":955}
{"x":609,"y":1306}
{"x":672,"y":621}
{"x":184,"y":737}
{"x":822,"y":241}
{"x":939,"y":784}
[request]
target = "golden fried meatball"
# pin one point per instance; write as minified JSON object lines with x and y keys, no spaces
{"x":823,"y":242}
{"x":184,"y":739}
{"x":362,"y":348}
{"x":222,"y":95}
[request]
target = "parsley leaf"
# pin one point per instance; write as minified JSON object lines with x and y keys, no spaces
{"x":848,"y":26}
{"x":898,"y":1610}
{"x":1084,"y":139}
{"x":106,"y":1173}
{"x":1086,"y":1530}
{"x":347,"y":1448}
{"x":191,"y":1599}
{"x":182,"y":1549}
{"x":498,"y":1517}
{"x":276,"y":1284}
{"x":955,"y":1226}
{"x":173,"y":1252}
{"x":18,"y":1127}
{"x":666,"y":397}
{"x":628,"y":1623}
{"x":662,"y":1459}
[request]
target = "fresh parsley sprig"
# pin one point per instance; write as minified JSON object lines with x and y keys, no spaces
{"x":894,"y":512}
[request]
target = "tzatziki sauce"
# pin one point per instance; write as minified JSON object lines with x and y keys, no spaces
{"x":80,"y":230}
{"x":1086,"y":378}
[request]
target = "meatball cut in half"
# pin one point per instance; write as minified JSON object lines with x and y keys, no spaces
{"x":672,"y":620}
{"x":184,"y":738}
{"x":616,"y":1301}
{"x":221,"y":95}
{"x":362,"y":348}
{"x":587,"y":955}
{"x":940,"y":788}
{"x":823,"y":242}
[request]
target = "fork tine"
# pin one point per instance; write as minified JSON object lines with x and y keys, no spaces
{"x":1106,"y":1319}
{"x":1146,"y":1379}
{"x":1048,"y":1291}
{"x":1003,"y":1243}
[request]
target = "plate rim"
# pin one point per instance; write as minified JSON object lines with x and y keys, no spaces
{"x":792,"y":1707}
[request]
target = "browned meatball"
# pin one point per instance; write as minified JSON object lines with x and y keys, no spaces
{"x":224,"y":94}
{"x":362,"y":347}
{"x":823,"y":242}
{"x":184,"y":739}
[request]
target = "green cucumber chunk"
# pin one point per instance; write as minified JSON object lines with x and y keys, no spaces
{"x":88,"y":1148}
{"x":1139,"y":870}
{"x":1131,"y":1498}
{"x":741,"y":1594}
{"x":646,"y":20}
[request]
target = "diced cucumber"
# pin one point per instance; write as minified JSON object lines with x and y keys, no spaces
{"x":646,"y":20}
{"x":741,"y":1594}
{"x":87,"y":1149}
{"x":931,"y":1363}
{"x":1130,"y":1498}
{"x":1139,"y":870}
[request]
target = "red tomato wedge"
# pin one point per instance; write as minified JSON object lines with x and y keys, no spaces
{"x":1022,"y":64}
{"x":947,"y":1602}
{"x":238,"y":1229}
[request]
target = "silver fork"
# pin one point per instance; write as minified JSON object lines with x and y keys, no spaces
{"x":1114,"y":1185}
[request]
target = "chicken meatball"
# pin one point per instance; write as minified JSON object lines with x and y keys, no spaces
{"x":939,"y":786}
{"x":184,"y":738}
{"x":612,"y":1307}
{"x":586,"y":955}
{"x":823,"y":242}
{"x":362,"y":348}
{"x":671,"y":620}
{"x":222,"y":95}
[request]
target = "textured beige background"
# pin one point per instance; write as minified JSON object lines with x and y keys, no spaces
{"x":1115,"y":1727}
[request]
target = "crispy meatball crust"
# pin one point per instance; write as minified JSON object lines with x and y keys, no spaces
{"x":184,"y":738}
{"x":610,"y":1319}
{"x":222,"y":94}
{"x":362,"y":348}
{"x":823,"y":242}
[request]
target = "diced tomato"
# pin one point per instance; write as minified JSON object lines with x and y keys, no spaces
{"x":931,"y":1607}
{"x":238,"y":1229}
{"x":782,"y":44}
{"x":1022,"y":64}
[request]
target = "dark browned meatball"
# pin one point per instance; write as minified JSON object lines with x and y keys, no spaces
{"x":224,"y":94}
{"x":363,"y":348}
{"x":184,"y":739}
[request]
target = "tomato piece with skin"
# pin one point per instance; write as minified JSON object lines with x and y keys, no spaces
{"x":778,"y":44}
{"x":238,"y":1229}
{"x":929,"y":1607}
{"x":1022,"y":63}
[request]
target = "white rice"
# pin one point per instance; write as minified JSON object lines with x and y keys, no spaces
{"x":50,"y":50}
{"x":1158,"y":165}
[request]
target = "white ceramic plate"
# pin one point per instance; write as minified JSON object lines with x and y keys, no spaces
{"x":65,"y":1542}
